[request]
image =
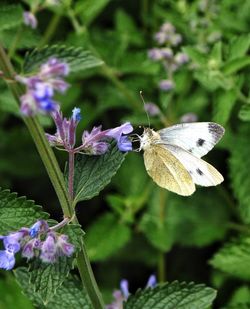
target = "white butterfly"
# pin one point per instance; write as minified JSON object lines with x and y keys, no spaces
{"x":172,"y":156}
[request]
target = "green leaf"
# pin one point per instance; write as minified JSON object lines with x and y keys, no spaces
{"x":234,"y":258}
{"x":88,"y":10}
{"x":171,"y":217}
{"x":235,"y":65}
{"x":216,"y":53}
{"x":17,"y":212}
{"x":173,"y":295}
{"x":78,"y":58}
{"x":11,"y":16}
{"x":244,"y":113}
{"x":238,"y":306}
{"x":11,"y":294}
{"x":70,"y":295}
{"x":105,"y":237}
{"x":224,"y":102}
{"x":239,"y":46}
{"x":196,"y":56}
{"x":47,"y":278}
{"x":238,"y":163}
{"x":93,"y":173}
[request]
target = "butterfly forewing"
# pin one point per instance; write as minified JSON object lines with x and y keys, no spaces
{"x":167,"y":171}
{"x":198,"y":137}
{"x":202,"y":173}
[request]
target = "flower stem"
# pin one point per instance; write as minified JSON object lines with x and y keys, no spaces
{"x":50,"y":31}
{"x":56,"y":177}
{"x":71,"y":175}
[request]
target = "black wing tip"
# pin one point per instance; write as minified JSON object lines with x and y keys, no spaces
{"x":215,"y":128}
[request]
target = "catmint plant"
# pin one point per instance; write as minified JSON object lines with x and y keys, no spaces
{"x":172,"y":59}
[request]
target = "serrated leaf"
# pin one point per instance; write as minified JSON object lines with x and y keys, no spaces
{"x":235,"y":65}
{"x":173,"y":295}
{"x":88,"y":10}
{"x":105,"y":237}
{"x":93,"y":173}
{"x":239,"y":46}
{"x":238,"y":162}
{"x":17,"y":212}
{"x":70,"y":295}
{"x":10,"y":16}
{"x":234,"y":258}
{"x":238,"y":306}
{"x":46,"y":278}
{"x":75,"y":234}
{"x":78,"y":58}
{"x":224,"y":102}
{"x":244,"y":113}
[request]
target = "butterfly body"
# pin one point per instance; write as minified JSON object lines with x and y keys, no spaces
{"x":172,"y":156}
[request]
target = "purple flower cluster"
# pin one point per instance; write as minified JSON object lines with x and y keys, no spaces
{"x":29,"y":19}
{"x":93,"y":142}
{"x":122,"y":295}
{"x":37,"y":241}
{"x":41,"y":87}
{"x":168,"y":39}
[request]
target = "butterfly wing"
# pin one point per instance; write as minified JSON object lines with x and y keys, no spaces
{"x":202,"y":173}
{"x":198,"y":137}
{"x":167,"y":171}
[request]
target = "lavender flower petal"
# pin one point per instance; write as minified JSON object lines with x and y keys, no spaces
{"x":7,"y":260}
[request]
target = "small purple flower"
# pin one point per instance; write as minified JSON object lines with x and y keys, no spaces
{"x":175,"y":39}
{"x":181,"y":58}
{"x":92,"y":142}
{"x":28,"y":250}
{"x":7,"y":259}
{"x":48,"y":249}
{"x":155,"y":54}
{"x":54,"y":68}
{"x":152,"y":109}
{"x":189,"y":117}
{"x":124,"y":288}
{"x":161,"y":37}
{"x":167,"y":27}
{"x":76,"y":114}
{"x":30,"y":19}
{"x":64,"y":247}
{"x":167,"y":53}
{"x":152,"y":281}
{"x":123,"y":143}
{"x":166,"y":84}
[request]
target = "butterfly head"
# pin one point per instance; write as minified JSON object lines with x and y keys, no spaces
{"x":148,"y":137}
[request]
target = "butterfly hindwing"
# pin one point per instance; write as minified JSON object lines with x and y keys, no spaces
{"x":202,"y":173}
{"x":167,"y":171}
{"x":197,"y":138}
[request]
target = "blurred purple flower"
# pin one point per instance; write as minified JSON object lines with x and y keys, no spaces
{"x":181,"y":58}
{"x":152,"y":282}
{"x":123,"y":143}
{"x":63,"y":246}
{"x":152,"y":109}
{"x":189,"y":117}
{"x":41,"y":87}
{"x":7,"y":259}
{"x":30,"y":20}
{"x":167,"y":27}
{"x":167,"y":53}
{"x":166,"y":85}
{"x":28,"y":250}
{"x":155,"y":54}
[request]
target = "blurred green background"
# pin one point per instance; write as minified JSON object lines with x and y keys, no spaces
{"x":133,"y":227}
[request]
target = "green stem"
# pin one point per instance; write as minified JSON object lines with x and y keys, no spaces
{"x":161,"y":267}
{"x":162,"y":255}
{"x":50,"y":31}
{"x":15,"y":41}
{"x":56,"y":177}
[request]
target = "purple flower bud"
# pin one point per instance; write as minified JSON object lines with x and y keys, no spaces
{"x":166,"y":85}
{"x":155,"y":54}
{"x":48,"y":249}
{"x":151,"y":281}
{"x":160,"y":37}
{"x":181,"y":58}
{"x":30,"y":19}
{"x":63,"y":246}
{"x":7,"y":259}
{"x":28,"y":249}
{"x":40,"y":226}
{"x":189,"y":117}
{"x":124,"y":288}
{"x":76,"y":114}
{"x":152,"y":109}
{"x":28,"y":104}
{"x":167,"y":53}
{"x":175,"y":39}
{"x":54,"y":68}
{"x":168,"y":28}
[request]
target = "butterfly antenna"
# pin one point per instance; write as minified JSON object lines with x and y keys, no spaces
{"x":141,"y":95}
